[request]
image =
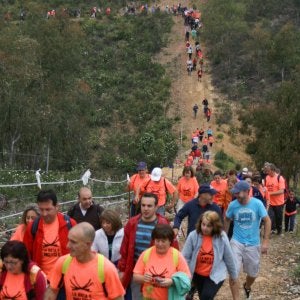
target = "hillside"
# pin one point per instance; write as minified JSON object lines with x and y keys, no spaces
{"x":82,"y":91}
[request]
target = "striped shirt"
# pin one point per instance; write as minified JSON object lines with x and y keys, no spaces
{"x":143,"y":237}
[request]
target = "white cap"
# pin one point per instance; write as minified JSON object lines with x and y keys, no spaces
{"x":156,"y":174}
{"x":245,"y":171}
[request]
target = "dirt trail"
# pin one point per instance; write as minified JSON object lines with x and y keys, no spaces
{"x":275,"y":280}
{"x":186,"y":91}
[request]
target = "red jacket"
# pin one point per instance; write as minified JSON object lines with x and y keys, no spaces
{"x":34,"y":245}
{"x":126,"y":262}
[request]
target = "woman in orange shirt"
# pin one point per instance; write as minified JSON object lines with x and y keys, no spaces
{"x":20,"y":278}
{"x":29,"y":214}
{"x":187,"y":187}
{"x":209,"y":255}
{"x":157,"y":265}
{"x":226,"y":197}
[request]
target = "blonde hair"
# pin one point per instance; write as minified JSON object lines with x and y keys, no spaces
{"x":214,"y":219}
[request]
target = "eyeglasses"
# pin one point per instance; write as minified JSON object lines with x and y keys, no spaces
{"x":11,"y":262}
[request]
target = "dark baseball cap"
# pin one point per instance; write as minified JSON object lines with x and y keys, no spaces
{"x":206,"y":188}
{"x":141,"y":166}
{"x":240,"y":186}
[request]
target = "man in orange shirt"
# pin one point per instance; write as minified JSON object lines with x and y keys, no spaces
{"x":220,"y":185}
{"x":160,"y":186}
{"x":135,"y":182}
{"x":47,"y":236}
{"x":81,"y":279}
{"x":275,"y":185}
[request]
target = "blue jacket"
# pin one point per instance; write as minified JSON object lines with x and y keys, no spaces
{"x":223,"y":256}
{"x":193,"y":211}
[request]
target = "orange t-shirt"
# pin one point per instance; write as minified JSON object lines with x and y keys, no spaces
{"x":160,"y":266}
{"x":18,"y":235}
{"x":82,"y":280}
{"x":205,"y":257}
{"x":274,"y":185}
{"x":187,"y":188}
{"x":221,"y":188}
{"x":51,"y":247}
{"x":159,"y":188}
{"x":136,"y":181}
{"x":13,"y":287}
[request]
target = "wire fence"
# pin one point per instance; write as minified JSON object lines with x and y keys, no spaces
{"x":8,"y":222}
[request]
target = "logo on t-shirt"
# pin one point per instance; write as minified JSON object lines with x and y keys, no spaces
{"x":245,"y":218}
{"x":80,"y":292}
{"x":6,"y":295}
{"x":51,"y":249}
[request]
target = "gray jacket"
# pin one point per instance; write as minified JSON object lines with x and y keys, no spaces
{"x":223,"y":256}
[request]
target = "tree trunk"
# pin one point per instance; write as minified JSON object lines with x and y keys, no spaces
{"x":12,"y":149}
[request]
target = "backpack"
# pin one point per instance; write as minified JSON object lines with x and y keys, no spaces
{"x":100,"y":268}
{"x":175,"y":253}
{"x":35,"y":224}
{"x":166,"y":189}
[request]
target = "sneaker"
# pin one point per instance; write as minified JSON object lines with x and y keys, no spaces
{"x":247,"y":292}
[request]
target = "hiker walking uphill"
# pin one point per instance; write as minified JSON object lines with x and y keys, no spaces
{"x":137,"y":238}
{"x":161,"y":187}
{"x":275,"y":185}
{"x":135,"y":182}
{"x":85,"y":274}
{"x":46,"y":238}
{"x":195,"y":110}
{"x":246,"y":214}
{"x":86,"y":210}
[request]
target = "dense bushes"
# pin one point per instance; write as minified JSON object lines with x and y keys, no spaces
{"x":87,"y":90}
{"x":254,"y":50}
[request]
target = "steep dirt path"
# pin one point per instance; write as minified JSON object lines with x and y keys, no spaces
{"x":275,"y":280}
{"x":186,"y":91}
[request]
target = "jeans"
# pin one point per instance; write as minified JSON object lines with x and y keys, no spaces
{"x":289,"y":222}
{"x":276,"y":216}
{"x":207,"y":289}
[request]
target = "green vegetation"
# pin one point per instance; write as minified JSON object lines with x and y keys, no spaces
{"x":223,"y":161}
{"x":83,"y":90}
{"x":254,"y":48}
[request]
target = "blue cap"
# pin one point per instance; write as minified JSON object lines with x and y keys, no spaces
{"x":141,"y":166}
{"x":240,"y":186}
{"x":206,"y":188}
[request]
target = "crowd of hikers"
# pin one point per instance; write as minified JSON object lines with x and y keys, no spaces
{"x":192,"y":27}
{"x":93,"y":12}
{"x":88,"y":254}
{"x":225,"y":219}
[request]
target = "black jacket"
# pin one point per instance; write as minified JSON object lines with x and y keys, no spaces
{"x":92,"y":215}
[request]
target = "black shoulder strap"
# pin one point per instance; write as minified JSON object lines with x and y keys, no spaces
{"x":278,"y":178}
{"x":166,"y":189}
{"x":147,"y":184}
{"x":35,"y":226}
